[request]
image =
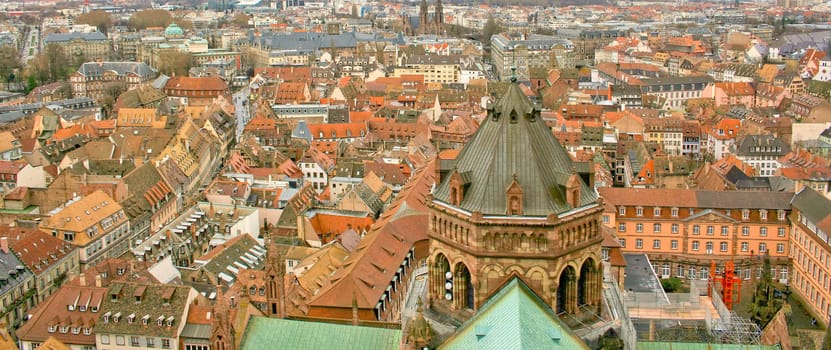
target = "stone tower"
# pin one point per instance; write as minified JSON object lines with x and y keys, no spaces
{"x":513,"y":204}
{"x":222,"y":330}
{"x":275,"y":274}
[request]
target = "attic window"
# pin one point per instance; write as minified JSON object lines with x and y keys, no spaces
{"x":513,"y":117}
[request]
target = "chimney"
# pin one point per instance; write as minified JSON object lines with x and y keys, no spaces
{"x":98,"y":282}
{"x":4,"y":244}
{"x":83,"y":280}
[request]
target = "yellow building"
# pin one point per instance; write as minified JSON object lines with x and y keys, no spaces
{"x":96,"y":224}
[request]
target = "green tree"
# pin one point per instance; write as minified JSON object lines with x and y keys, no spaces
{"x":98,"y":19}
{"x":671,"y":284}
{"x":150,"y":18}
{"x":32,"y":84}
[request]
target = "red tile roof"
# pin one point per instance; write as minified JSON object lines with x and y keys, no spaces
{"x":35,"y":248}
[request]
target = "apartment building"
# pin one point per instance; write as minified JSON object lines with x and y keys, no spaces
{"x":682,"y":231}
{"x":762,"y":152}
{"x":524,"y":53}
{"x":52,"y":260}
{"x":90,"y":46}
{"x":811,"y":251}
{"x":434,"y":68}
{"x":142,"y":316}
{"x":17,"y":287}
{"x":92,"y":79}
{"x":668,"y":132}
{"x":673,"y":92}
{"x":96,"y":224}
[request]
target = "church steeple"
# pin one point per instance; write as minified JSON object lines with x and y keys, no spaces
{"x":422,"y":22}
{"x":275,"y":274}
{"x":222,"y":332}
{"x":439,"y":18}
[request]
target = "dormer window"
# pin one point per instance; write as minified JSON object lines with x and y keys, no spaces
{"x":639,"y":211}
{"x":116,"y":317}
{"x":170,"y":321}
{"x":621,"y":210}
{"x":51,"y":328}
{"x":160,"y":320}
{"x":763,"y":214}
{"x":145,"y":319}
{"x":781,"y":215}
{"x":87,"y":331}
{"x":119,"y":271}
{"x":745,"y":214}
{"x":131,"y":318}
{"x":64,"y":329}
{"x":656,"y":211}
{"x":674,"y":212}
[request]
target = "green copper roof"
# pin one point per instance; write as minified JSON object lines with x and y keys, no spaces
{"x":701,"y":346}
{"x":265,"y":333}
{"x":514,"y":141}
{"x":514,"y":318}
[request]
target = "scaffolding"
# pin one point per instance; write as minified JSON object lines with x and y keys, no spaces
{"x":730,"y":328}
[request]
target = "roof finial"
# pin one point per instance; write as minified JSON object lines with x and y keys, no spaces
{"x":513,"y":74}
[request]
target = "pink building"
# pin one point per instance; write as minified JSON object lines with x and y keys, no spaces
{"x":731,"y":94}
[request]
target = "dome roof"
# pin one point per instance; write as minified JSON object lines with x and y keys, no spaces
{"x":173,"y":29}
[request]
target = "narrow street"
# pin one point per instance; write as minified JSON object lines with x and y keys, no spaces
{"x":242,"y":112}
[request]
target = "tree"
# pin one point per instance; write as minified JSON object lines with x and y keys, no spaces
{"x":671,"y":284}
{"x":9,"y":62}
{"x":51,"y":64}
{"x":174,"y":62}
{"x":98,"y":19}
{"x":150,"y":18}
{"x":241,"y":20}
{"x":491,"y":28}
{"x":183,"y":23}
{"x":111,"y":92}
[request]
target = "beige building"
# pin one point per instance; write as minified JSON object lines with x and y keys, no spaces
{"x":96,"y":224}
{"x":434,"y":68}
{"x":143,"y":316}
{"x":81,"y":46}
{"x":811,"y":252}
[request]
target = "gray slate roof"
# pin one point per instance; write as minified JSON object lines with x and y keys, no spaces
{"x":12,"y":272}
{"x":523,"y":148}
{"x":66,"y":37}
{"x":312,"y":41}
{"x":769,"y":145}
{"x":812,"y":205}
{"x":96,"y":69}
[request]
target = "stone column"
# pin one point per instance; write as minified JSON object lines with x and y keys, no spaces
{"x":571,"y":293}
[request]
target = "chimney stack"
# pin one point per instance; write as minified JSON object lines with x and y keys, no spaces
{"x":98,"y":282}
{"x":4,"y":244}
{"x":83,"y":280}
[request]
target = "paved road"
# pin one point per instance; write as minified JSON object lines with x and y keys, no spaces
{"x":31,"y":43}
{"x":243,"y":114}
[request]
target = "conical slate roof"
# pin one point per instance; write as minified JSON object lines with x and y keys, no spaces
{"x":514,"y":143}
